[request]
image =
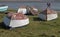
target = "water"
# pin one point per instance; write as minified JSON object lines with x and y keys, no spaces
{"x":16,"y":5}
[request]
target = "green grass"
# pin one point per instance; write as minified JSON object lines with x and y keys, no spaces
{"x":36,"y":28}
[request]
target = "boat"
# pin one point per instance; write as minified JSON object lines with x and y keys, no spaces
{"x":34,"y":11}
{"x":28,"y":10}
{"x":3,"y":8}
{"x":13,"y":20}
{"x":48,"y":14}
{"x":22,"y":10}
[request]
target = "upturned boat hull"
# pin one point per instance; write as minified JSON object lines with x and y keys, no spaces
{"x":15,"y":23}
{"x":48,"y":17}
{"x":3,"y":8}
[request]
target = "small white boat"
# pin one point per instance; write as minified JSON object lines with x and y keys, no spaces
{"x":16,"y":20}
{"x":22,"y":10}
{"x":3,"y":8}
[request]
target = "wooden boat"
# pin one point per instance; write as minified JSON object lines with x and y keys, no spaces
{"x":16,"y":20}
{"x":48,"y":14}
{"x":28,"y":10}
{"x":34,"y":11}
{"x":3,"y":8}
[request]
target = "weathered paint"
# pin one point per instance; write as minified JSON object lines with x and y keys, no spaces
{"x":52,"y":16}
{"x":35,"y":9}
{"x":15,"y":23}
{"x":6,"y":21}
{"x":22,"y":10}
{"x":42,"y":16}
{"x":48,"y":16}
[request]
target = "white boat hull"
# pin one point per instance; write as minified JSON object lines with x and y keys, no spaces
{"x":15,"y":23}
{"x":48,"y":17}
{"x":25,"y":11}
{"x":22,"y":10}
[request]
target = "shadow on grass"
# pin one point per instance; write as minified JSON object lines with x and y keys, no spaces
{"x":2,"y":26}
{"x":29,"y":14}
{"x":37,"y":19}
{"x":44,"y":35}
{"x":4,"y":12}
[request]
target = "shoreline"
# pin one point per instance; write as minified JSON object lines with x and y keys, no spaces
{"x":31,"y":1}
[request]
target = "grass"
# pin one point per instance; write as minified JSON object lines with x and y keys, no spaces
{"x":36,"y":28}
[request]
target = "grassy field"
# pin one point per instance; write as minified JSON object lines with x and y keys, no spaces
{"x":36,"y":28}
